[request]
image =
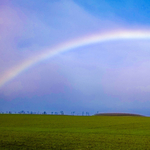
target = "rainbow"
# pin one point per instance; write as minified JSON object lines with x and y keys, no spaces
{"x":73,"y":44}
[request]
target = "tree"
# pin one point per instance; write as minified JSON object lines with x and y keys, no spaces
{"x":22,"y":112}
{"x":44,"y":113}
{"x":73,"y":113}
{"x":83,"y":113}
{"x":9,"y":112}
{"x":87,"y":113}
{"x":61,"y":112}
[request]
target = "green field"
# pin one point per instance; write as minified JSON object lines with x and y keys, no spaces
{"x":74,"y":132}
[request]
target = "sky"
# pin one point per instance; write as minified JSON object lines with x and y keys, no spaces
{"x":109,"y":76}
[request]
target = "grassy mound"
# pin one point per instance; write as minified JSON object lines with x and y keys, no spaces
{"x":117,"y":114}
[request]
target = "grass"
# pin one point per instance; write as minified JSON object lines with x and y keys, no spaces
{"x":29,"y":132}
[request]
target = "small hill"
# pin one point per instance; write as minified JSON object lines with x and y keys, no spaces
{"x":117,"y":114}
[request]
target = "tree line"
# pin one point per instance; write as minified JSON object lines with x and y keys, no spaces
{"x":73,"y":113}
